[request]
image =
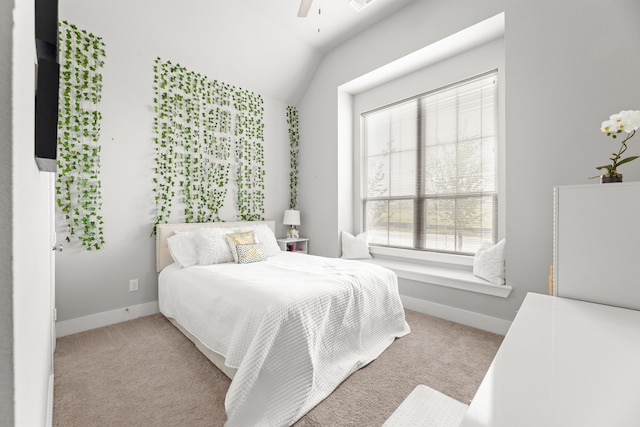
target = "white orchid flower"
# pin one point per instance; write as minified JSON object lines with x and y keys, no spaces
{"x":627,"y":121}
{"x":609,"y":126}
{"x":631,"y":119}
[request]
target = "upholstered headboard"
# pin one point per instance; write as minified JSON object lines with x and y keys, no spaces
{"x":164,"y":231}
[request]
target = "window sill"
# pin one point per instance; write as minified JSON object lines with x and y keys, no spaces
{"x":441,"y":276}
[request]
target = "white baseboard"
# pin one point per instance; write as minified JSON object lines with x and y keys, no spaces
{"x":470,"y":318}
{"x":49,"y":420}
{"x":458,"y":315}
{"x":98,"y":320}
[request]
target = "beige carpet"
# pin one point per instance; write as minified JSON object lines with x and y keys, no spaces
{"x":146,"y":373}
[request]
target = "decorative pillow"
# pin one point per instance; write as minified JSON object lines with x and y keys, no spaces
{"x":488,"y":263}
{"x":183,"y":249}
{"x":355,"y":247}
{"x":212,"y":246}
{"x":250,"y":253}
{"x":236,"y":239}
{"x":263,"y":234}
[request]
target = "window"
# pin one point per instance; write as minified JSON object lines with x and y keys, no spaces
{"x":430,"y":169}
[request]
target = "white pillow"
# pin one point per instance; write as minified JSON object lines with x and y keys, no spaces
{"x":182,"y":247}
{"x":212,"y":246}
{"x":355,"y":247}
{"x":263,"y":234}
{"x":488,"y":263}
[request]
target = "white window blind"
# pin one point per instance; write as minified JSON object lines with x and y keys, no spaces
{"x":429,"y":169}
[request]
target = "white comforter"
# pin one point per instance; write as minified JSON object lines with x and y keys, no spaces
{"x":294,"y":326}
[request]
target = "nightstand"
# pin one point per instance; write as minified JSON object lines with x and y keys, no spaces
{"x":300,"y":245}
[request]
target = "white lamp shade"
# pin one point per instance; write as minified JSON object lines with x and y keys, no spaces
{"x":291,"y":217}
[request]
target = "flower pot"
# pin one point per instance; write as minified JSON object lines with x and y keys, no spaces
{"x":606,"y":179}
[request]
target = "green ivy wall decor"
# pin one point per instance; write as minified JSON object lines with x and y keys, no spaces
{"x":78,"y":187}
{"x":294,"y":139}
{"x":203,"y":132}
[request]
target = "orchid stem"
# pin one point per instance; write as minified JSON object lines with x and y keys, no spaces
{"x":623,"y":148}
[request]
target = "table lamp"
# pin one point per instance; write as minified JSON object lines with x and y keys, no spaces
{"x":292,"y":219}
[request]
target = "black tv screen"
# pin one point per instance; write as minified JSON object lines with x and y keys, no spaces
{"x":47,"y":80}
{"x":47,"y":114}
{"x":46,"y":12}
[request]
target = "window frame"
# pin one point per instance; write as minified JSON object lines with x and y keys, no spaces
{"x":420,"y":199}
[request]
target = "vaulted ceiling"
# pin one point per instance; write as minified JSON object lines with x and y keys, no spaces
{"x":336,"y":22}
{"x":328,"y":24}
{"x":259,"y":45}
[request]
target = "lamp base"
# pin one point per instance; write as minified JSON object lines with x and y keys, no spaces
{"x":292,"y":233}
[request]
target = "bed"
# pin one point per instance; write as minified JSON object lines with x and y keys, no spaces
{"x":287,"y":329}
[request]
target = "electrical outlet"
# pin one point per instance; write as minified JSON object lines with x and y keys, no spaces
{"x":133,"y":285}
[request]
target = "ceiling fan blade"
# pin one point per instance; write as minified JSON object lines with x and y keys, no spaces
{"x":358,"y":5}
{"x":305,"y":5}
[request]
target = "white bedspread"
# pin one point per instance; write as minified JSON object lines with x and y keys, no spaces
{"x":294,"y":326}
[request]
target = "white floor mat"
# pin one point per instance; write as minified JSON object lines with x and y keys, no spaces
{"x":426,"y":407}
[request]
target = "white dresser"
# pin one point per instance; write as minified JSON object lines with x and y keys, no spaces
{"x":573,"y":359}
{"x":563,"y":363}
{"x":597,"y":243}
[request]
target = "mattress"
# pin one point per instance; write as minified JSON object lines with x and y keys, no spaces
{"x":292,"y":327}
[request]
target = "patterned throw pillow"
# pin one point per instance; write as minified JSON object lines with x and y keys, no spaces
{"x":250,"y":253}
{"x":236,"y":239}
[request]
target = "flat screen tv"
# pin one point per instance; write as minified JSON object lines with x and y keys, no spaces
{"x":47,"y":80}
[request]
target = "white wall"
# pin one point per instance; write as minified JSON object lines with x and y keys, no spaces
{"x":31,"y":248}
{"x":6,"y":211}
{"x":95,"y":282}
{"x":565,"y":72}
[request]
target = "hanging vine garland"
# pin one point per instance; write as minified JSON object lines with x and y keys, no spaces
{"x":78,"y":187}
{"x":249,"y":133}
{"x":198,"y":124}
{"x":294,"y":139}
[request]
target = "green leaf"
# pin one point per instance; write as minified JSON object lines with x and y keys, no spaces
{"x":627,"y":160}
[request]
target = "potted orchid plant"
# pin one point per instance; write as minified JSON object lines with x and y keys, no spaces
{"x":626,"y":121}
